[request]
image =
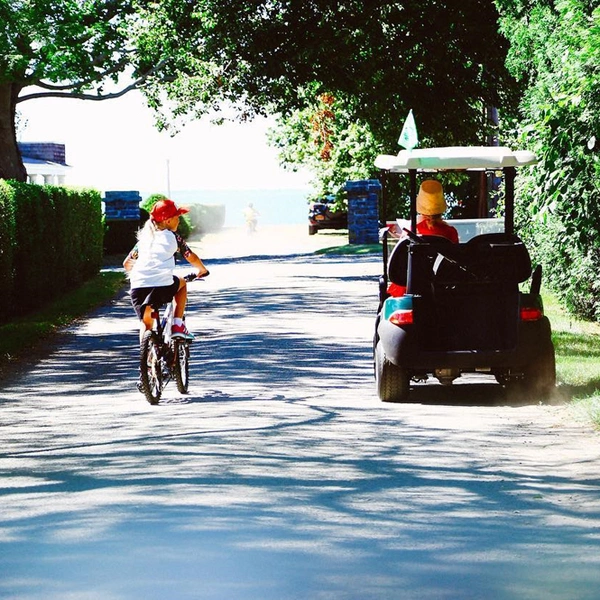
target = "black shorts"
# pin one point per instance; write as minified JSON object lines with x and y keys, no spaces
{"x":153,"y":296}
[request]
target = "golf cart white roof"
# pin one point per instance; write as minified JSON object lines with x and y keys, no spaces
{"x":455,"y":157}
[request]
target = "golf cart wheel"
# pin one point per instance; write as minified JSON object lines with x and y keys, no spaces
{"x":312,"y":230}
{"x":392,"y":381}
{"x":540,"y":376}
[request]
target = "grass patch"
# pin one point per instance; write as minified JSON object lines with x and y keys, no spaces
{"x":577,"y":345}
{"x":351,"y":249}
{"x":26,"y":333}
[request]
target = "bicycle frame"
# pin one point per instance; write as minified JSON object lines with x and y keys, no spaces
{"x":163,"y":357}
{"x":162,"y":326}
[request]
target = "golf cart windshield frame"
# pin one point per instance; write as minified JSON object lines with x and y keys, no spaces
{"x":456,"y":158}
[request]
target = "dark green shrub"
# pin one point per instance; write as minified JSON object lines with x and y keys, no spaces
{"x":206,"y":218}
{"x":58,"y":241}
{"x":569,"y":269}
{"x":35,"y":257}
{"x":87,"y":231}
{"x":554,"y":50}
{"x":120,"y":235}
{"x":7,"y":244}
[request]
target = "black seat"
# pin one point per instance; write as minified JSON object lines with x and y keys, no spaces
{"x":499,"y":257}
{"x":472,"y":304}
{"x":397,"y":266}
{"x":398,"y":261}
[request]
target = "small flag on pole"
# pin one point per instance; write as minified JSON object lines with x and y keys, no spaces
{"x":408,"y":137}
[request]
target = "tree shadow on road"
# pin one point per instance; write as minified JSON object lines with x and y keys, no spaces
{"x":281,"y":475}
{"x":252,"y":336}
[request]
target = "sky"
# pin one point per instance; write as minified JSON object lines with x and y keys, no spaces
{"x":113,"y":145}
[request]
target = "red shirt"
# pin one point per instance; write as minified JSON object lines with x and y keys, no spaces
{"x":440,"y":228}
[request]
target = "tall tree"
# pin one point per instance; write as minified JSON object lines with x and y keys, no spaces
{"x":555,"y":50}
{"x":60,"y":47}
{"x":442,"y":58}
{"x":83,"y":49}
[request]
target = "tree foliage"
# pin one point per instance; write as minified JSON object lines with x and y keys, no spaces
{"x":325,"y":138}
{"x":442,"y":58}
{"x":555,"y":50}
{"x":82,"y":49}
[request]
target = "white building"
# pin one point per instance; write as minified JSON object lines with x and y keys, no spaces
{"x":45,"y":162}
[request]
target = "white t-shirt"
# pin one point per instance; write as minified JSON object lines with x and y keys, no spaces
{"x":155,"y":259}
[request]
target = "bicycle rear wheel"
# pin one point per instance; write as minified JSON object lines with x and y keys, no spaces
{"x":151,"y":378}
{"x":181,"y":365}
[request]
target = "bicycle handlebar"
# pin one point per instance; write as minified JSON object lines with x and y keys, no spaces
{"x":194,"y":276}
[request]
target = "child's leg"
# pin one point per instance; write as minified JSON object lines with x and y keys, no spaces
{"x":180,"y":299}
{"x":146,"y":322}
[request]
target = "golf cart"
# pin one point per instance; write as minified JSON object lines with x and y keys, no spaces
{"x":470,"y":307}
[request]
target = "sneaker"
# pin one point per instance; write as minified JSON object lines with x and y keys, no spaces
{"x":181,"y":331}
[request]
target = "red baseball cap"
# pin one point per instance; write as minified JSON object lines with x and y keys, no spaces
{"x":166,"y":209}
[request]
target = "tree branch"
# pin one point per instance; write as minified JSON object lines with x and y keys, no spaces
{"x":62,"y":91}
{"x":117,"y":68}
{"x":79,"y":95}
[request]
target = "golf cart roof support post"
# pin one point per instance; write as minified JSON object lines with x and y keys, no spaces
{"x":383,"y":176}
{"x":509,"y":200}
{"x":413,"y":223}
{"x":482,"y":199}
{"x":384,"y":183}
{"x":413,"y":200}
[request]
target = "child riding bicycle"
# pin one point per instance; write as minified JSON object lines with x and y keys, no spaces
{"x":150,"y":267}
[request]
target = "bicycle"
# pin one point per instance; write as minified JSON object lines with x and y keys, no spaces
{"x":163,"y":357}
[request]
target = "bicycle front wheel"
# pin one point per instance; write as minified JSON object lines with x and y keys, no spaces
{"x":150,"y":367}
{"x":181,"y":365}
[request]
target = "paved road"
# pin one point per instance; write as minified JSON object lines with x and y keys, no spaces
{"x":281,"y":476}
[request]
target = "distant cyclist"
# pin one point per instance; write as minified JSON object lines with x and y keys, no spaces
{"x":150,"y":266}
{"x":251,"y":215}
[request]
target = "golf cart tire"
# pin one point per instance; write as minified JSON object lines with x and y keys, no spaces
{"x":540,"y":376}
{"x":392,"y":381}
{"x":312,"y":230}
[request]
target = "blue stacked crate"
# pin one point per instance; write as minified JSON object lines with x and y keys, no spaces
{"x":122,"y":205}
{"x":363,"y":211}
{"x":122,"y":217}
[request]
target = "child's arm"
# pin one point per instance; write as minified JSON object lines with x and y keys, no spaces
{"x":130,"y":259}
{"x":190,"y":256}
{"x":195,"y":261}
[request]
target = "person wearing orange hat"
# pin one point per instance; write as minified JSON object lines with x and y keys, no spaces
{"x":431,"y":205}
{"x":150,"y":267}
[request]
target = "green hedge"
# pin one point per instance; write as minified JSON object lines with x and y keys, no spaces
{"x":7,"y":242}
{"x":55,"y":235}
{"x":206,"y":218}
